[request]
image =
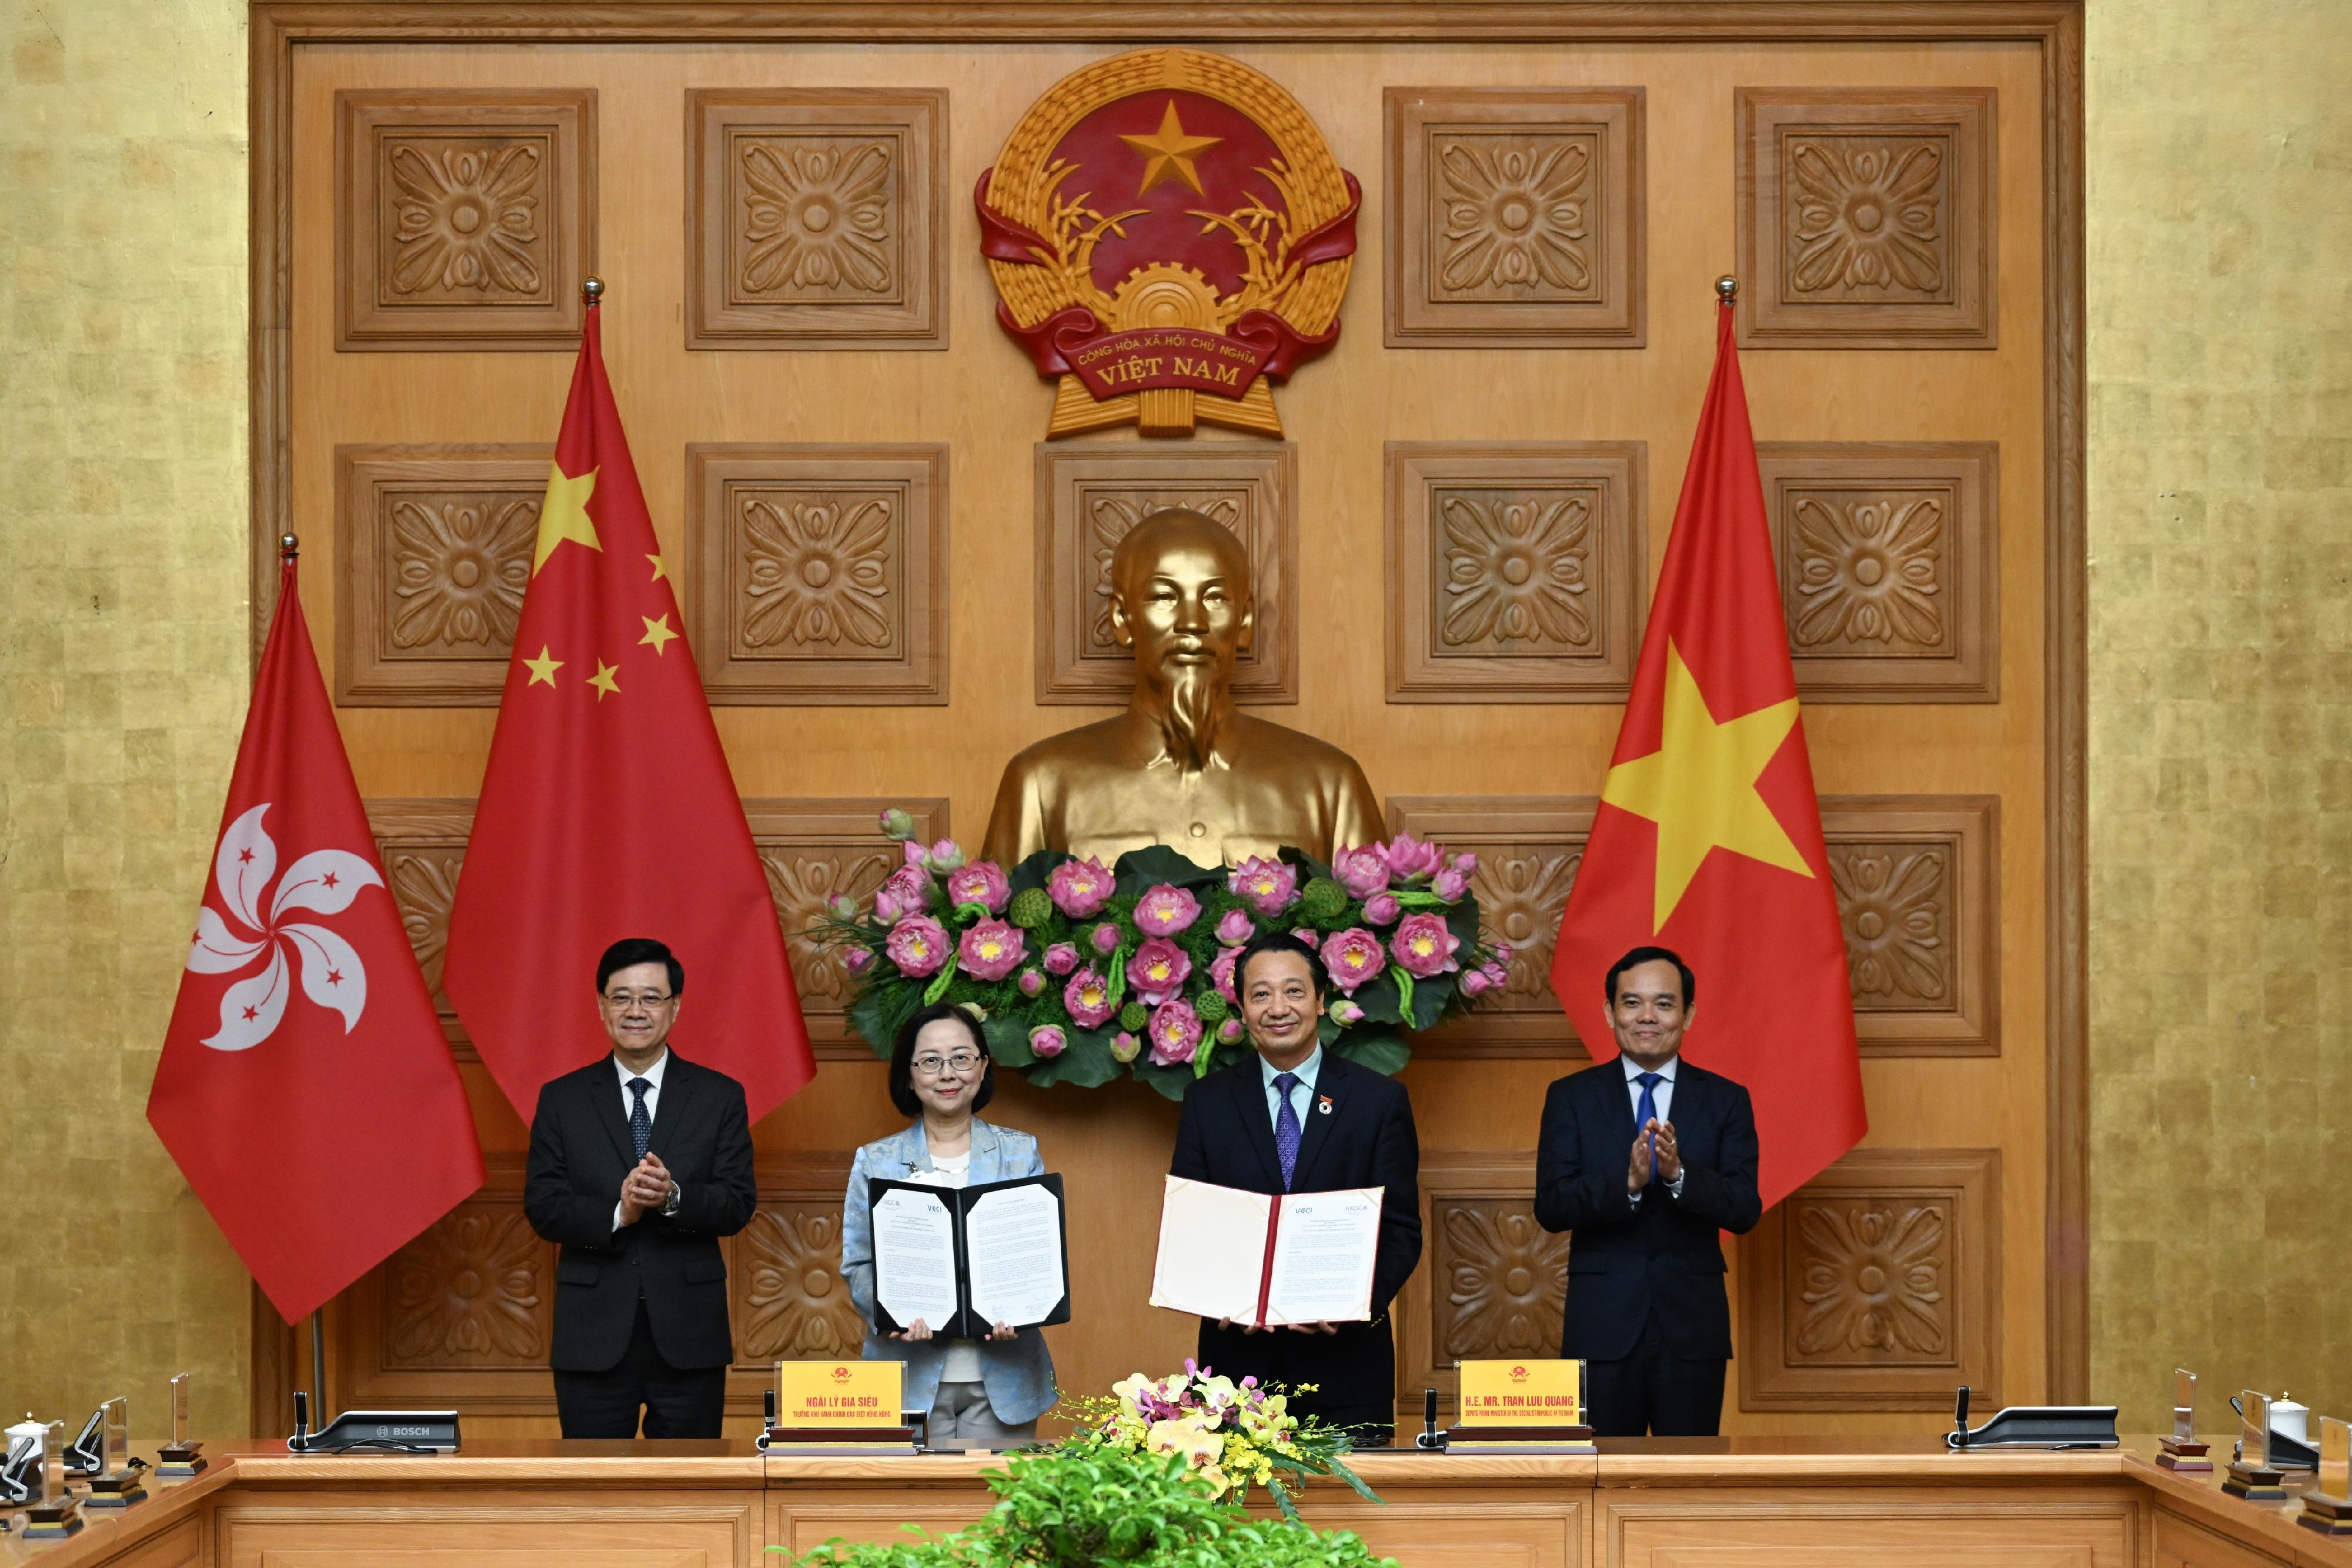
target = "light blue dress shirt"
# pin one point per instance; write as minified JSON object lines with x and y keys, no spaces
{"x":1302,"y":1094}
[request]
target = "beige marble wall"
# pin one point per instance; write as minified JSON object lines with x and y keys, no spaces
{"x":2220,"y":450}
{"x":122,"y":673}
{"x":2220,"y":165}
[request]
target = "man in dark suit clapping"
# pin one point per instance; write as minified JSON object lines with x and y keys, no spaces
{"x":1647,"y":1159}
{"x":639,"y":1162}
{"x":1294,"y":1118}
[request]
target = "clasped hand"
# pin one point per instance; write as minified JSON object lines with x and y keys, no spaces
{"x":920,"y":1330}
{"x":1294,"y":1328}
{"x":1670,"y":1159}
{"x":646,"y":1188}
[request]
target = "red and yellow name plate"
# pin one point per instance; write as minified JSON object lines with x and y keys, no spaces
{"x":828,"y":1394}
{"x":1522,"y":1392}
{"x":1168,"y":231}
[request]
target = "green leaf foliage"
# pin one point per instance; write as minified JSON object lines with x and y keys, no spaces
{"x":1008,"y":1040}
{"x":1139,"y":870}
{"x":1380,"y":1049}
{"x":1088,"y":1063}
{"x":880,"y":1009}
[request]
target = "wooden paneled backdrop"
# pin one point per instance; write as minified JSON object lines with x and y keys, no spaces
{"x":893,"y":583}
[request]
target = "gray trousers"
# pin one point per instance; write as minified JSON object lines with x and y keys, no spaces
{"x":961,"y":1410}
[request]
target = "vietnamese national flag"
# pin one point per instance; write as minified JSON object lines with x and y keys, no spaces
{"x":1708,"y":837}
{"x":607,"y":809}
{"x":326,"y":1130}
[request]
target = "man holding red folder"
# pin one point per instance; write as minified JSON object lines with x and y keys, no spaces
{"x":1299,"y":1120}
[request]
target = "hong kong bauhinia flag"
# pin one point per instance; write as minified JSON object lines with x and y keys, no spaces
{"x":1709,"y":836}
{"x":306,"y":1089}
{"x":608,"y":810}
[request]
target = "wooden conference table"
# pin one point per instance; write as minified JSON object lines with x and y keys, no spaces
{"x":1659,"y":1504}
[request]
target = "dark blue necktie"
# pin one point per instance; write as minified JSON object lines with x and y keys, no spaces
{"x":1285,"y":1127}
{"x":641,"y":1126}
{"x":1649,"y":1083}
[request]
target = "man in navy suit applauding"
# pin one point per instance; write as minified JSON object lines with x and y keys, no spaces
{"x":1646,"y":1160}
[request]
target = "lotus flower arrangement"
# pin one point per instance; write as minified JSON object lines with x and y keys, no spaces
{"x":1082,"y":973}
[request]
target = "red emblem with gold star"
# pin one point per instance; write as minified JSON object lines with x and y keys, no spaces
{"x":1168,"y":231}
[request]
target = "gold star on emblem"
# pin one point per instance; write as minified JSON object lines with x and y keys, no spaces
{"x":543,"y":669}
{"x":564,"y":514}
{"x":658,"y":631}
{"x":1168,"y":153}
{"x":1699,"y":786}
{"x":660,"y":570}
{"x":603,"y":680}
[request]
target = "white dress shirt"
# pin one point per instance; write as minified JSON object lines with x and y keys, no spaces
{"x":1662,"y":1097}
{"x":653,"y":1076}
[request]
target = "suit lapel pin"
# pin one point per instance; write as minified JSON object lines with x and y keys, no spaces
{"x":1323,"y":1105}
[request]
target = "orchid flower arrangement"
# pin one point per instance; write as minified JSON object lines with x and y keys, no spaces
{"x":1232,"y":1435}
{"x":1081,"y":972}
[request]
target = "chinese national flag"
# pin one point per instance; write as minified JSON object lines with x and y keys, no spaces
{"x":1708,"y":838}
{"x":607,"y":810}
{"x":322,"y":1129}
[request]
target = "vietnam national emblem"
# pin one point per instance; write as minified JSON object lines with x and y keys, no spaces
{"x":1168,"y":231}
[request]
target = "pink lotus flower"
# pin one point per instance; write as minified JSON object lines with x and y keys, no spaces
{"x":1087,"y":998}
{"x":1363,"y":871}
{"x":1497,"y":976}
{"x":857,"y":960}
{"x":1450,"y":885}
{"x":1061,"y":959}
{"x":1353,"y":956}
{"x":1031,"y":982}
{"x":1409,"y":858}
{"x":1423,"y":946}
{"x":918,"y":855}
{"x":841,"y":907}
{"x":1229,"y":1032}
{"x":1268,"y":884}
{"x":1308,"y":935}
{"x":1237,"y":927}
{"x":897,"y":823}
{"x":1474,"y":982}
{"x":1221,"y":971}
{"x":911,"y":885}
{"x":1080,"y":888}
{"x":1502,"y":952}
{"x":1164,"y":911}
{"x":1467,"y":863}
{"x":981,"y":883}
{"x":1159,"y":970}
{"x":1175,"y":1033}
{"x":1344,"y":1013}
{"x":1048,"y":1040}
{"x":1124,"y":1047}
{"x":946,"y":855}
{"x":1382,"y":909}
{"x":992,"y":950}
{"x":917,"y":945}
{"x":886,"y":908}
{"x":1104,"y":939}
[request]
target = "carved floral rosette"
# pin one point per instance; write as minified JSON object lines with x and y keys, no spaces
{"x":1168,"y":229}
{"x":1081,"y":973}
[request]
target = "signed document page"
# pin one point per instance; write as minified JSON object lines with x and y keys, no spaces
{"x":1212,"y":1250}
{"x":1012,"y":1250}
{"x":1325,"y":1245}
{"x":914,"y":1257}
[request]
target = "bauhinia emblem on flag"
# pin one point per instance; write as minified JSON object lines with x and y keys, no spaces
{"x":323,"y":1131}
{"x":607,"y":809}
{"x":1709,"y":836}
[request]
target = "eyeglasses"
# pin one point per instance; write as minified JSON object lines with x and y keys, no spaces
{"x":622,"y":1001}
{"x":962,"y":1062}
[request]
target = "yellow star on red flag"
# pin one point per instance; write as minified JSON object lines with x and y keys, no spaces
{"x":564,"y":514}
{"x":1169,"y":152}
{"x":658,"y":631}
{"x":604,"y":681}
{"x":1699,"y":786}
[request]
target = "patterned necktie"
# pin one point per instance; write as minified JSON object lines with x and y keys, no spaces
{"x":1285,"y":1127}
{"x":641,"y":1126}
{"x":1649,"y":1083}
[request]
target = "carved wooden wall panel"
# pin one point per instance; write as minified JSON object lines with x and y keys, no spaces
{"x":812,"y":850}
{"x":1867,"y":219}
{"x":463,"y":220}
{"x":433,"y":545}
{"x":816,"y":219}
{"x":1517,"y":217}
{"x":817,"y":573}
{"x":422,"y":842}
{"x":1917,"y":890}
{"x":1876,"y":1286}
{"x":1529,"y":848}
{"x":1087,"y":497}
{"x":1889,"y":557}
{"x":464,"y":1314}
{"x":1492,"y":1282}
{"x":1517,"y":570}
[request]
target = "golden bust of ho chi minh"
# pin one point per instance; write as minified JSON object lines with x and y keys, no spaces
{"x":1182,"y":766}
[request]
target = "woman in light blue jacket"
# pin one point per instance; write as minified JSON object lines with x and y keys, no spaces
{"x":989,"y":1391}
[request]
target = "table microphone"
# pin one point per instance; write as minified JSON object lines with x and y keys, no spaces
{"x":1429,"y":1437}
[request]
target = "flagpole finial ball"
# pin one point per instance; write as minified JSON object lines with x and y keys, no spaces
{"x":1726,"y":288}
{"x":592,"y":290}
{"x":287,"y":545}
